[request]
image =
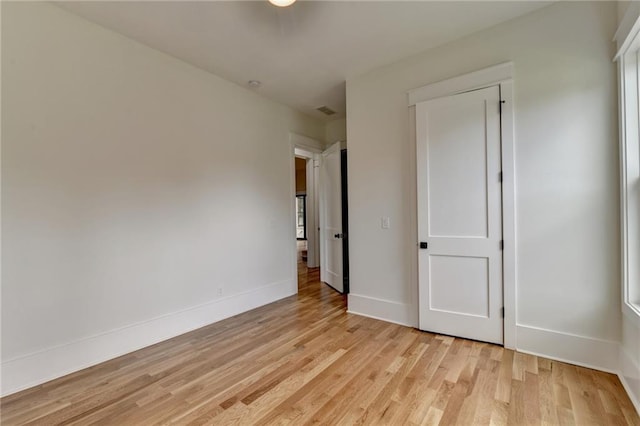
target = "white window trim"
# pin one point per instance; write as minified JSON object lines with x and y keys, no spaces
{"x":628,"y":39}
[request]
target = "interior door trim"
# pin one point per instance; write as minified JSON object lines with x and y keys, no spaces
{"x":480,"y":79}
{"x":502,"y":76}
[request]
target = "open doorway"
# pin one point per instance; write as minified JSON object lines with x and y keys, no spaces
{"x":319,"y":215}
{"x":306,"y":220}
{"x":301,"y":210}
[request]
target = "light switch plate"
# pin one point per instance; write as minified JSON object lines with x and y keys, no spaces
{"x":385,"y":222}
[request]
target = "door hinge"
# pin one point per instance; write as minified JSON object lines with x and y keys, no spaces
{"x":502,"y":101}
{"x":502,"y":312}
{"x":501,"y":244}
{"x":500,"y":177}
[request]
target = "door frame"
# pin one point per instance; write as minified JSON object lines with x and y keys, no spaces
{"x":344,"y":186}
{"x":500,"y":75}
{"x":310,"y":149}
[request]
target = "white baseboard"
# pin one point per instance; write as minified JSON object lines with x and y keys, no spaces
{"x":33,"y":369}
{"x":587,"y":352}
{"x":39,"y":367}
{"x":630,"y":377}
{"x":385,"y":310}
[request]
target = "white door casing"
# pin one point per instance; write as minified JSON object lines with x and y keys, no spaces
{"x":331,"y":218}
{"x":458,"y":146}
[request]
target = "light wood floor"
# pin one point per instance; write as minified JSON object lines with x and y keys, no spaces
{"x":305,"y":360}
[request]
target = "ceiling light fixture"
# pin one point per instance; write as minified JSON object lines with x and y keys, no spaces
{"x":282,"y":3}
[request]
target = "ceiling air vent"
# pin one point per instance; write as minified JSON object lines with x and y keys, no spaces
{"x":326,"y":110}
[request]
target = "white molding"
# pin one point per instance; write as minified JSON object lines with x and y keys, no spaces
{"x":628,"y":28}
{"x":306,"y":143}
{"x":304,"y":153}
{"x":39,"y":367}
{"x":584,"y":351}
{"x":631,"y":312}
{"x":463,"y":83}
{"x":509,"y":234}
{"x":627,"y":84}
{"x":293,"y":258}
{"x":633,"y":397}
{"x":627,"y":39}
{"x":629,"y":376}
{"x":623,"y":181}
{"x":380,"y":309}
{"x":502,"y":76}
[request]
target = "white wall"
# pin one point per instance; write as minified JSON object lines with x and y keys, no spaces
{"x":567,"y":213}
{"x":142,"y":197}
{"x":622,"y":8}
{"x":335,"y":131}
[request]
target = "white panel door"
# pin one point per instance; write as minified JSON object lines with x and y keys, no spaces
{"x":460,"y":215}
{"x":331,"y":218}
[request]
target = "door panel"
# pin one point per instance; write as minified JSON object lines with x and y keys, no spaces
{"x":459,"y":285}
{"x":460,"y":215}
{"x":331,"y":218}
{"x":453,"y":162}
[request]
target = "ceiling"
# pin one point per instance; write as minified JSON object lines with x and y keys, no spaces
{"x":302,"y":54}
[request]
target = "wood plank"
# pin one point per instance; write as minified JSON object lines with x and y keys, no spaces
{"x":303,"y":359}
